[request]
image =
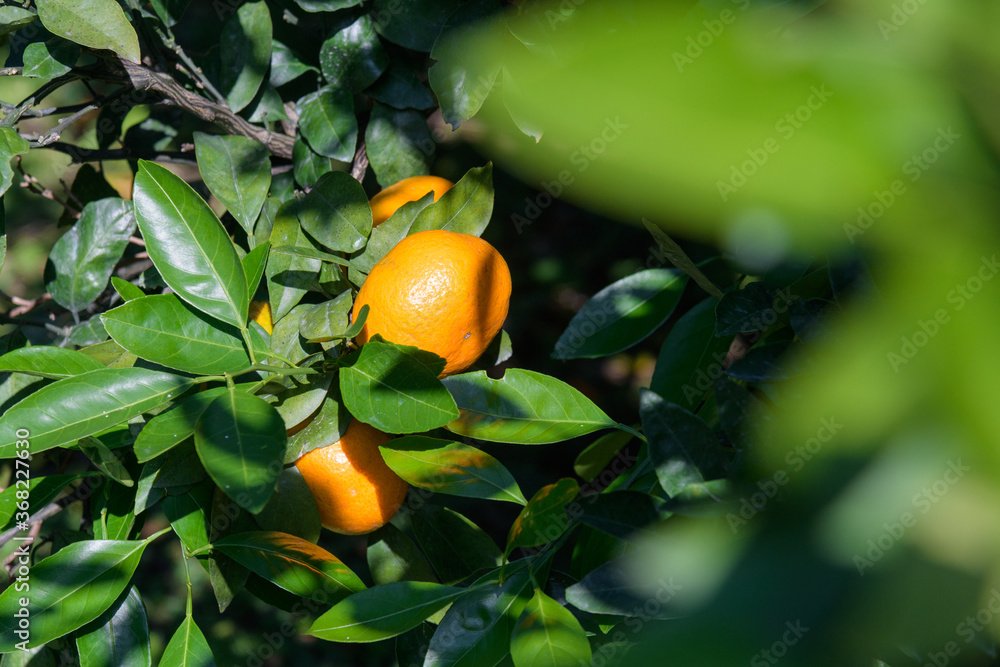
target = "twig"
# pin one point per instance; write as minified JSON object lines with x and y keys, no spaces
{"x":49,"y":510}
{"x":360,"y":165}
{"x":80,"y":154}
{"x":8,"y":563}
{"x":32,"y":184}
{"x":42,"y":113}
{"x":190,"y":68}
{"x":49,"y":88}
{"x":136,"y":240}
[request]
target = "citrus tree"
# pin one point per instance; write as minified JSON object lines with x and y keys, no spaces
{"x":273,"y":341}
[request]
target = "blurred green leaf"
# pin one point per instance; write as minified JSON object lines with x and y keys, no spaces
{"x":245,"y":50}
{"x":620,"y":513}
{"x":237,"y":170}
{"x":98,"y":24}
{"x":170,"y":11}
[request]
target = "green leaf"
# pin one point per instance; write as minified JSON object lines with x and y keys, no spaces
{"x":245,"y":50}
{"x":286,"y":342}
{"x":548,"y":635}
{"x":289,"y":276}
{"x":392,"y":556}
{"x":454,"y":545}
{"x":189,"y":246}
{"x":11,"y":145}
{"x":105,"y":460}
{"x":457,"y":642}
{"x":390,"y":389}
{"x":188,"y":512}
{"x":293,"y":564}
{"x":13,"y":18}
{"x":47,"y":60}
{"x":326,"y":427}
{"x":48,"y":361}
{"x":308,"y":165}
{"x":544,"y":517}
{"x":327,"y":121}
{"x":98,"y":24}
{"x":353,"y":56}
{"x":3,"y":222}
{"x":465,"y":208}
{"x":292,"y":509}
{"x":82,"y":405}
{"x":241,"y":442}
{"x":41,"y":490}
{"x":188,"y":648}
{"x":119,"y":636}
{"x":89,"y":332}
{"x":744,"y":311}
{"x":326,"y":321}
{"x":401,"y":88}
{"x":336,"y":212}
{"x":170,"y":11}
{"x":682,"y":447}
{"x":113,"y":507}
{"x":451,"y":468}
{"x":110,"y":354}
{"x":285,"y":65}
{"x":462,"y":78}
{"x":303,"y":397}
{"x":414,"y":24}
{"x":591,"y":461}
{"x":253,"y":265}
{"x":622,"y":314}
{"x":610,"y":589}
{"x":387,"y":235}
{"x":690,"y":357}
{"x":767,"y":363}
{"x":398,"y":143}
{"x":620,"y":513}
{"x":163,"y":329}
{"x":523,"y":407}
{"x":741,"y":414}
{"x":226,"y":575}
{"x":126,"y":290}
{"x":71,"y":587}
{"x":170,"y":428}
{"x":383,"y":611}
{"x":326,"y":5}
{"x":237,"y":170}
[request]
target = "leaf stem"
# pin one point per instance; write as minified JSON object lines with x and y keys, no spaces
{"x":190,"y":588}
{"x":631,"y":431}
{"x":158,"y":533}
{"x":246,"y":339}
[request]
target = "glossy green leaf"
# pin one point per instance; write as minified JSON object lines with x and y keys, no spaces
{"x":89,"y":332}
{"x":41,"y":491}
{"x":47,"y":60}
{"x":385,"y":236}
{"x":390,"y":389}
{"x":401,"y":88}
{"x":548,"y":635}
{"x":163,"y":329}
{"x":170,"y":428}
{"x":113,"y":509}
{"x":392,"y":556}
{"x":70,"y":588}
{"x":465,"y":208}
{"x":620,"y":513}
{"x":591,"y":461}
{"x":98,"y":24}
{"x":544,"y":517}
{"x":11,"y":145}
{"x":414,"y":24}
{"x":237,"y":170}
{"x":486,"y":640}
{"x":289,"y":276}
{"x":398,"y":143}
{"x":690,"y":357}
{"x":292,"y":509}
{"x":126,"y":290}
{"x":119,"y":636}
{"x":105,"y":460}
{"x":48,"y":361}
{"x":682,"y":447}
{"x":188,"y":647}
{"x":383,"y":611}
{"x":523,"y":407}
{"x":327,"y":121}
{"x":336,"y":212}
{"x":253,"y":265}
{"x":285,"y":65}
{"x":82,"y":405}
{"x":241,"y":442}
{"x":188,"y":513}
{"x":326,"y":321}
{"x":327,"y":426}
{"x":226,"y":575}
{"x":109,"y":354}
{"x":622,"y":314}
{"x":451,"y":468}
{"x":189,"y":246}
{"x":245,"y":50}
{"x":308,"y":165}
{"x":302,"y":398}
{"x":463,"y":78}
{"x":353,"y":56}
{"x":297,"y":566}
{"x":454,"y":545}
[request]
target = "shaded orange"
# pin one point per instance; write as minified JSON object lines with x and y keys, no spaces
{"x":385,"y":203}
{"x":355,"y":491}
{"x":444,"y":292}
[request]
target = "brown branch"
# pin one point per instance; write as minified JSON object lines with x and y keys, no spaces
{"x":360,"y":165}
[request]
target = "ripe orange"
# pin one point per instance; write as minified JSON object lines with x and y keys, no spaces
{"x":444,"y":292}
{"x":385,"y":203}
{"x":355,"y":490}
{"x":260,"y":312}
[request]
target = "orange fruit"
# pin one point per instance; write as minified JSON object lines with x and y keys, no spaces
{"x":355,"y":490}
{"x":444,"y":292}
{"x":260,"y":312}
{"x":385,"y":203}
